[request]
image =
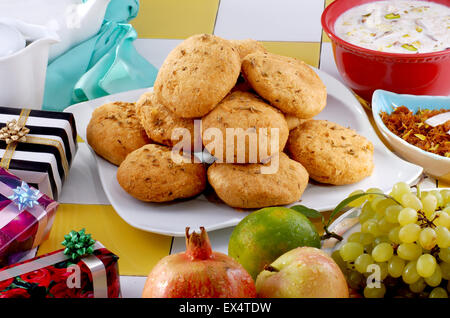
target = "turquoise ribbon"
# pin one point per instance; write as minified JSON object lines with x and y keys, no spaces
{"x":105,"y":64}
{"x":122,"y":10}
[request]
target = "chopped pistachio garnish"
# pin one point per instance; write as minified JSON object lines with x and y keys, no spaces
{"x":420,"y":136}
{"x":391,"y":16}
{"x":409,"y":47}
{"x":419,"y":29}
{"x":434,"y":148}
{"x":407,"y":134}
{"x":406,"y":36}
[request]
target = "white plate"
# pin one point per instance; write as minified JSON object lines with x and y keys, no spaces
{"x":172,"y":218}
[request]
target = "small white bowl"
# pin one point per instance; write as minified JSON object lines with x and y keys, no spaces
{"x":383,"y":101}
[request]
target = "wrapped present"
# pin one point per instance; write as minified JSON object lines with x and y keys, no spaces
{"x":38,"y":147}
{"x":84,"y":269}
{"x":26,"y":217}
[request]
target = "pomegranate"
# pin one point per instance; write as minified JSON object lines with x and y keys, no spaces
{"x":198,"y":273}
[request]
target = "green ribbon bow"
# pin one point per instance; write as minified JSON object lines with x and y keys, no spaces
{"x":78,"y":244}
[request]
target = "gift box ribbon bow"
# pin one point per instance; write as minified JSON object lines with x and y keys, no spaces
{"x":94,"y":264}
{"x":15,"y":132}
{"x":24,"y":198}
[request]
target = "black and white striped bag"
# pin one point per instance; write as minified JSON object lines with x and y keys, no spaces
{"x":44,"y":159}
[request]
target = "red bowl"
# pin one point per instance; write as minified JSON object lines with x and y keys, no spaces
{"x":366,"y":70}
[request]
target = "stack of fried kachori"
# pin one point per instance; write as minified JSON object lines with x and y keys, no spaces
{"x":253,"y":106}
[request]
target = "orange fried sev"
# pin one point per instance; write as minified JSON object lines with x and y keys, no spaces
{"x":413,"y":129}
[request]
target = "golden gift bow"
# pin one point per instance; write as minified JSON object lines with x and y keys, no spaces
{"x":11,"y":148}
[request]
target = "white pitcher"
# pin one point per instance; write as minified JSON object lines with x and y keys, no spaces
{"x":81,"y":22}
{"x":73,"y":20}
{"x":22,"y":74}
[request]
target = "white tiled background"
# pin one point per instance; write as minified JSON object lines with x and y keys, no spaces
{"x":268,"y":20}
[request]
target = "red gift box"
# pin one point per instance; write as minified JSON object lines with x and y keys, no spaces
{"x":26,"y":217}
{"x":55,"y":275}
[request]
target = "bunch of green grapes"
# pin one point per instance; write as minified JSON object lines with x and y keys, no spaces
{"x":407,"y":237}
